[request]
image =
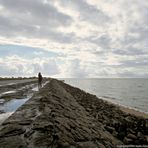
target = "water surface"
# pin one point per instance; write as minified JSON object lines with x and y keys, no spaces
{"x":128,"y":92}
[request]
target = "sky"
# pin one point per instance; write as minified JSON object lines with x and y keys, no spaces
{"x":74,"y":38}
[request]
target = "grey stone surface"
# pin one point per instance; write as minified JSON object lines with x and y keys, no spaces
{"x":61,"y":116}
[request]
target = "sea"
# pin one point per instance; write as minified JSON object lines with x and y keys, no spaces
{"x":127,"y":92}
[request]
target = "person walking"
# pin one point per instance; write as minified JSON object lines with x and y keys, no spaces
{"x":40,"y":78}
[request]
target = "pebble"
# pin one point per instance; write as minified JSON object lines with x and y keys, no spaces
{"x":131,"y":136}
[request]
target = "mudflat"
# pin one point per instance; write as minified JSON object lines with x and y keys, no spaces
{"x":15,"y":89}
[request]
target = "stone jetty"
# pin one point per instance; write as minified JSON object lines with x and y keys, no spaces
{"x":62,"y":116}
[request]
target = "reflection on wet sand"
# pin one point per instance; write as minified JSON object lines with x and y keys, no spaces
{"x":11,"y":100}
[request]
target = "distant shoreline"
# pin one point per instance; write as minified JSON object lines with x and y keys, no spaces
{"x":16,"y":78}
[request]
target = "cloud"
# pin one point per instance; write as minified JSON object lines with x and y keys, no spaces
{"x":32,"y":18}
{"x":75,"y":69}
{"x":18,"y":66}
{"x":131,"y":52}
{"x":102,"y":41}
{"x":41,"y":13}
{"x":79,"y":38}
{"x":87,"y":12}
{"x":134,"y":63}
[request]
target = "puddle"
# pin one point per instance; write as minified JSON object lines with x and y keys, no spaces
{"x":27,"y":86}
{"x":2,"y":101}
{"x":36,"y":88}
{"x":11,"y":106}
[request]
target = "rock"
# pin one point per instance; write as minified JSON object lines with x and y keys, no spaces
{"x":101,"y":145}
{"x":11,"y":130}
{"x":131,"y":136}
{"x":142,"y":139}
{"x":110,"y":129}
{"x":121,"y":135}
{"x":15,"y":142}
{"x":65,"y":145}
{"x":131,"y":131}
{"x":88,"y":109}
{"x":98,"y":116}
{"x":140,"y":135}
{"x":146,"y":137}
{"x":127,"y":140}
{"x":115,"y":134}
{"x":88,"y":144}
{"x":105,"y":118}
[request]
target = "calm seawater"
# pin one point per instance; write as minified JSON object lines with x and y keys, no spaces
{"x":132,"y":93}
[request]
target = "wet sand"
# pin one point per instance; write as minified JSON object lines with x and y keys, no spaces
{"x":14,"y":81}
{"x":14,"y":93}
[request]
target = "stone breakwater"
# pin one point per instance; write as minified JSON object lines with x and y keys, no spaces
{"x":60,"y":115}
